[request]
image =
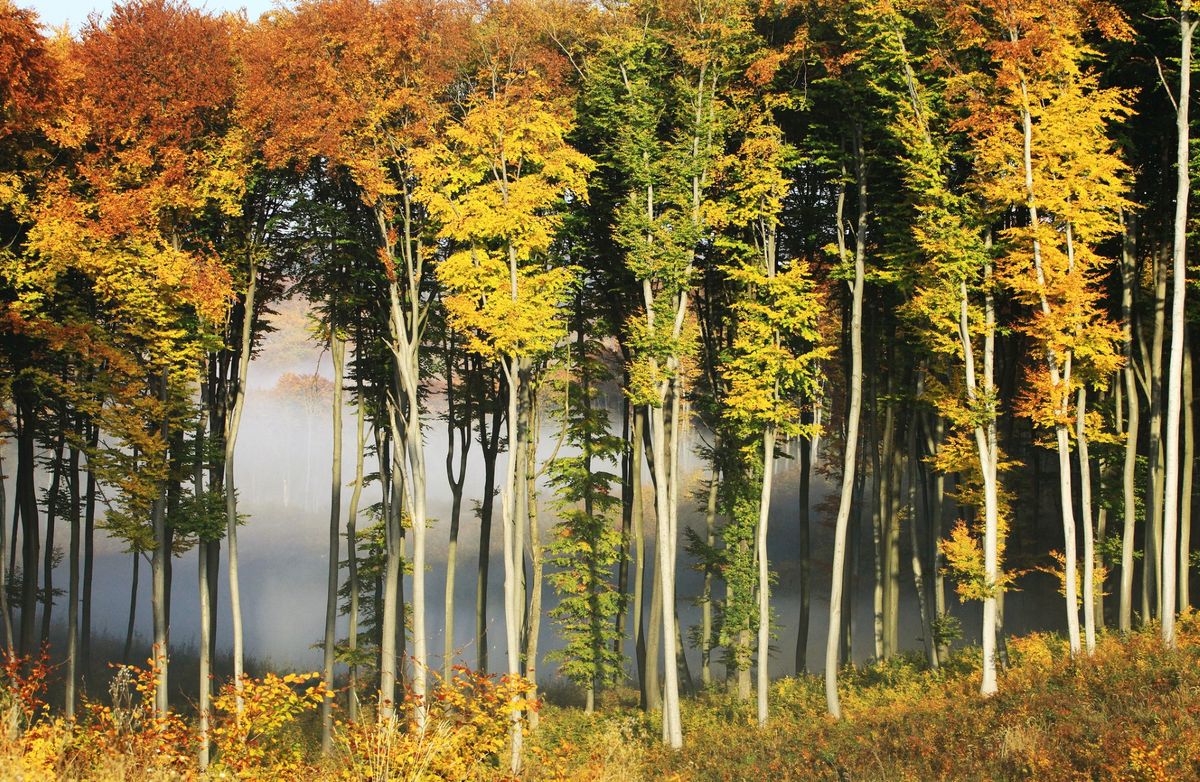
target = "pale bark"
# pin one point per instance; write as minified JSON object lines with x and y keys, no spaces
{"x":1059,"y":368}
{"x":1185,"y":490}
{"x":710,"y":539}
{"x":764,"y":575}
{"x":1174,"y":392}
{"x":1085,"y":510}
{"x":459,"y":423}
{"x":833,"y":639}
{"x":1132,"y":419}
{"x":233,"y":422}
{"x":637,"y":524}
{"x":158,"y":572}
{"x":360,"y":445}
{"x":1152,"y":547}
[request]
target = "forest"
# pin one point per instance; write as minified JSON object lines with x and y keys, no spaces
{"x":773,"y":348}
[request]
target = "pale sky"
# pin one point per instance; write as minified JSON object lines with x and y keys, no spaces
{"x":75,"y":12}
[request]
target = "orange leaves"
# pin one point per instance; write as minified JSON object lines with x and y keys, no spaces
{"x":28,"y":72}
{"x":261,"y":741}
{"x":469,"y":717}
{"x":351,"y":82}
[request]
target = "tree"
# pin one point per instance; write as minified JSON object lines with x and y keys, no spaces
{"x":497,"y":184}
{"x":1174,"y":393}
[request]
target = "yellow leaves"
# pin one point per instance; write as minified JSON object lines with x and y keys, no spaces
{"x":777,"y":347}
{"x":964,"y":558}
{"x":498,"y":320}
{"x":261,"y":741}
{"x":1059,"y":571}
{"x":497,"y":185}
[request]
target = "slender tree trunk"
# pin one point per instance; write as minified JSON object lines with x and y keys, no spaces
{"x":52,"y":512}
{"x":637,"y":523}
{"x":27,"y":507}
{"x":463,"y":429}
{"x":391,"y":620}
{"x":1185,"y":492}
{"x":1133,"y":419}
{"x":5,"y":614}
{"x":627,"y":479}
{"x":513,"y":549}
{"x":1174,"y":392}
{"x":1085,"y":510}
{"x":533,"y":621}
{"x":1058,"y":378}
{"x":490,"y":444}
{"x":232,"y":424}
{"x":337,"y":349}
{"x":710,"y":539}
{"x":764,"y":576}
{"x":202,"y":550}
{"x":89,"y":557}
{"x":127,"y":654}
{"x":1151,"y":564}
{"x":852,"y":422}
{"x":72,"y":678}
{"x":360,"y":445}
{"x":158,"y":571}
{"x":804,"y":548}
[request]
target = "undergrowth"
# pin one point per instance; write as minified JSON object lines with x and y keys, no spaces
{"x":1131,"y":712}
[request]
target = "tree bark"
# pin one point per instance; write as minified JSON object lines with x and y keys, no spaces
{"x":232,"y":424}
{"x":852,"y":422}
{"x":1133,"y":419}
{"x":337,"y":349}
{"x":72,"y":678}
{"x":1174,"y":392}
{"x":52,"y":513}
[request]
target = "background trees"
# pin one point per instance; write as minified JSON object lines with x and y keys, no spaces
{"x":915,"y":242}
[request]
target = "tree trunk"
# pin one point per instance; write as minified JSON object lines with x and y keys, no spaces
{"x":1151,"y":564}
{"x":205,"y":647}
{"x":1133,"y":419}
{"x":463,"y":429}
{"x":127,"y":654}
{"x":804,"y":547}
{"x":89,"y":557}
{"x":536,"y":559}
{"x":852,"y":422}
{"x":1085,"y":510}
{"x":5,"y":615}
{"x":52,"y":512}
{"x":158,"y":571}
{"x":337,"y":349}
{"x":637,"y":523}
{"x":72,"y":679}
{"x":27,"y":507}
{"x":1174,"y":392}
{"x":390,"y":620}
{"x":764,"y":576}
{"x":1057,"y":378}
{"x":710,"y":540}
{"x":232,"y":424}
{"x":490,"y":445}
{"x":1185,"y":491}
{"x":360,"y":445}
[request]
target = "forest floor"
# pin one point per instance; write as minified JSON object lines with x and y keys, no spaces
{"x":1130,"y":711}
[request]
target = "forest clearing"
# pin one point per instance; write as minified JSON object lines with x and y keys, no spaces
{"x":559,"y":389}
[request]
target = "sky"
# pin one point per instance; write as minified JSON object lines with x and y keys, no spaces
{"x":75,"y":12}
